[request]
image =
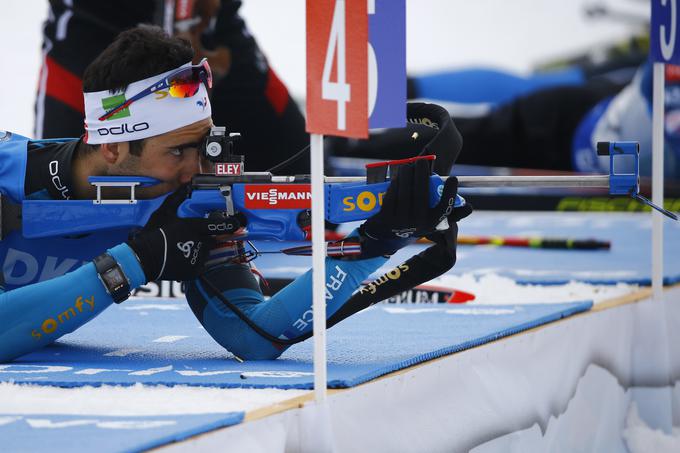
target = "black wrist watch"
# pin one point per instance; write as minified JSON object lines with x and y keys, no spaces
{"x":112,"y":277}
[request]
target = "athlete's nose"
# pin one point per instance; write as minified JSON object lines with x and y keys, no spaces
{"x":185,"y":178}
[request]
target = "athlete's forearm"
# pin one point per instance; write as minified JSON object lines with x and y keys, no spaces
{"x":36,"y":315}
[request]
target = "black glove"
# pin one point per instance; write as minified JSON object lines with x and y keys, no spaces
{"x":405,"y":214}
{"x":173,"y":248}
{"x":426,"y":265}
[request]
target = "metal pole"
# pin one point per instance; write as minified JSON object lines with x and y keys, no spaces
{"x":319,"y":268}
{"x":586,"y":181}
{"x":657,"y":179}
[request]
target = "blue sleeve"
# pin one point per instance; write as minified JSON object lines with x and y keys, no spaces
{"x":489,"y":86}
{"x":13,"y":149}
{"x":36,"y":315}
{"x":288,"y":314}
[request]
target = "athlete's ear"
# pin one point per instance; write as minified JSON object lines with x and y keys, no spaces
{"x":112,"y":152}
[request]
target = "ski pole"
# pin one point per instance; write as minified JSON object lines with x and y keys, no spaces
{"x":536,"y":242}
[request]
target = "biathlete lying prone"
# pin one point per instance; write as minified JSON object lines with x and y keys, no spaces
{"x":147,"y":112}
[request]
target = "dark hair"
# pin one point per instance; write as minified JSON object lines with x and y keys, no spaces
{"x":135,"y":54}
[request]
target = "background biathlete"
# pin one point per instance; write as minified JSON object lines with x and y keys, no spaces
{"x":247,"y":94}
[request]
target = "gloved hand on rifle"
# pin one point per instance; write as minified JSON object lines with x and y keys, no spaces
{"x":406,"y":215}
{"x":173,"y":248}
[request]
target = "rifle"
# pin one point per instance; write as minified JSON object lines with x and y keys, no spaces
{"x":267,"y":207}
{"x":270,"y":207}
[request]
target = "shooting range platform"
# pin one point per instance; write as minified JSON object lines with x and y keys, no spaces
{"x":628,"y":260}
{"x":420,"y":377}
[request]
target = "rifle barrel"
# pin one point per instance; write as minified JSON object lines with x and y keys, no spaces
{"x":593,"y":181}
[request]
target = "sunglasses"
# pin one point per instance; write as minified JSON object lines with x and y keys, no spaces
{"x":183,"y":83}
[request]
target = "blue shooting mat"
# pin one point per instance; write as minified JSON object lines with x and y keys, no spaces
{"x":103,"y":434}
{"x":628,"y":261}
{"x":158,"y":341}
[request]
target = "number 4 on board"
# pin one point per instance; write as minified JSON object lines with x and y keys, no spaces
{"x":337,"y":91}
{"x":337,"y":73}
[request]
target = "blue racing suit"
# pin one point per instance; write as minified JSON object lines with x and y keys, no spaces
{"x":51,"y":288}
{"x":628,"y":116}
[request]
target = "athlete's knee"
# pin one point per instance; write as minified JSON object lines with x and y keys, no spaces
{"x":237,"y":287}
{"x":255,"y":348}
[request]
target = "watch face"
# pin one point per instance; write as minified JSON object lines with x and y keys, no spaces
{"x":114,"y":277}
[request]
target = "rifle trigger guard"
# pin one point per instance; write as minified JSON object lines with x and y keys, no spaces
{"x":226,"y":192}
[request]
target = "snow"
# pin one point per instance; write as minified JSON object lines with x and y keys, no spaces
{"x":135,"y":400}
{"x":497,"y":290}
{"x":641,"y":438}
{"x":601,"y":416}
{"x":20,"y":41}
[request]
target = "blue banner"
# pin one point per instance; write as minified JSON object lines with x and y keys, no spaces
{"x":104,"y":433}
{"x":387,"y":63}
{"x":664,"y":36}
{"x":123,"y":347}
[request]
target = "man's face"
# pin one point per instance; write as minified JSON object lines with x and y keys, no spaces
{"x":171,"y":158}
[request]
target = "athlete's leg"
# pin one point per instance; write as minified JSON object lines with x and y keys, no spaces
{"x":73,"y":36}
{"x":534,"y":131}
{"x":488,"y":86}
{"x":287,"y":314}
{"x":259,"y":106}
{"x":59,"y":109}
{"x":252,"y":100}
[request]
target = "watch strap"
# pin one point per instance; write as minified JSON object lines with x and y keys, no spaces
{"x":107,"y":267}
